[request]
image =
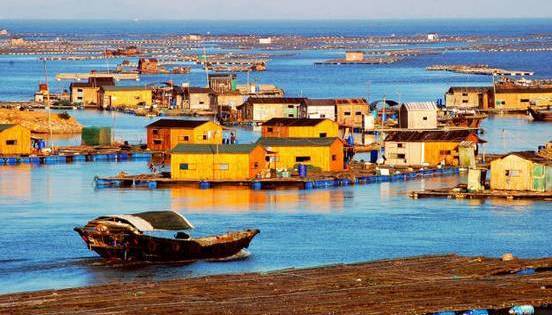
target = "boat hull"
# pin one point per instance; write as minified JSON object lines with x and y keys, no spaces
{"x":139,"y":247}
{"x":539,"y":115}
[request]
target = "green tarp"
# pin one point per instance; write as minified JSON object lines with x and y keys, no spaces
{"x":96,"y":136}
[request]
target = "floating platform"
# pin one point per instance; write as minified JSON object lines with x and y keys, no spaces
{"x":479,"y":70}
{"x":86,"y":76}
{"x":452,"y":193}
{"x":71,"y":158}
{"x":367,"y":61}
{"x":447,"y":284}
{"x":308,"y":183}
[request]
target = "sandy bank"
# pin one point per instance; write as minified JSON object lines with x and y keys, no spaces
{"x":418,"y":285}
{"x":37,"y":121}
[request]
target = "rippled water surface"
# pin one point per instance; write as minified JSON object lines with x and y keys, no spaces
{"x":39,"y":206}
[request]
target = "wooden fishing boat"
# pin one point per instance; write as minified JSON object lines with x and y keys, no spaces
{"x":123,"y":238}
{"x":467,"y":120}
{"x":540,"y":115}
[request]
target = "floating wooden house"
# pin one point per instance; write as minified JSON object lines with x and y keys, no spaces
{"x":321,"y":108}
{"x":325,"y":154}
{"x":418,"y":115}
{"x":261,"y":109}
{"x":14,"y":140}
{"x":124,"y":96}
{"x":426,"y":147}
{"x":165,"y":134}
{"x":197,"y":162}
{"x":469,"y":97}
{"x":299,"y":128}
{"x":350,"y":112}
{"x":86,"y":93}
{"x":521,"y":171}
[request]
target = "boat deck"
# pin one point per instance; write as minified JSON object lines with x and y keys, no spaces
{"x":419,"y":285}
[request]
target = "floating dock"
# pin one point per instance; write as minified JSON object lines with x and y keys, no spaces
{"x":85,"y":76}
{"x":367,"y":61}
{"x":72,"y":158}
{"x":479,"y":70}
{"x":308,"y":183}
{"x":447,"y":284}
{"x":452,"y":193}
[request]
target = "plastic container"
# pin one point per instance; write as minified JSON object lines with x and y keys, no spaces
{"x":522,"y":310}
{"x":256,"y":186}
{"x":302,"y":169}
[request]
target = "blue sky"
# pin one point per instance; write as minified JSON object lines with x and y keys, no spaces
{"x":272,"y":9}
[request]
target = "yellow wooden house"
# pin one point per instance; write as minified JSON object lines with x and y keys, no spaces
{"x":14,"y":140}
{"x":199,"y":162}
{"x":300,"y":128}
{"x":124,"y":96}
{"x":165,"y":134}
{"x":323,"y":153}
{"x":521,"y":171}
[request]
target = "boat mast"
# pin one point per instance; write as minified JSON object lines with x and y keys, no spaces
{"x":48,"y":104}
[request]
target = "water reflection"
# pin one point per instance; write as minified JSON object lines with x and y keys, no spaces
{"x":243,"y":199}
{"x":20,"y":187}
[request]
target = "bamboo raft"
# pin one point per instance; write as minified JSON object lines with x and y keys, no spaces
{"x":418,"y":285}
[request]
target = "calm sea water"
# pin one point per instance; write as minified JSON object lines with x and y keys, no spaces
{"x":40,"y":205}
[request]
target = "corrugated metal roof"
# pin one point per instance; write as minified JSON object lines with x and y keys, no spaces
{"x":420,"y":106}
{"x":296,"y":142}
{"x":6,"y":126}
{"x":177,"y":123}
{"x":531,"y":156}
{"x":214,"y":149}
{"x":320,"y":102}
{"x":297,"y":122}
{"x":430,"y":136}
{"x":276,"y":100}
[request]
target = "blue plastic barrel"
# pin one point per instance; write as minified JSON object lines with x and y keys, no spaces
{"x":256,"y":186}
{"x":152,"y":185}
{"x":445,"y":313}
{"x":374,"y":156}
{"x":309,"y":185}
{"x":522,"y":310}
{"x":526,"y":272}
{"x":204,"y":185}
{"x":302,"y":169}
{"x":476,"y":312}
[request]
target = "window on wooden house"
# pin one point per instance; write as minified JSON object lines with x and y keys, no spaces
{"x":401,"y":156}
{"x":291,"y":115}
{"x":184,"y":138}
{"x":157,"y":141}
{"x":424,"y":118}
{"x":525,"y":100}
{"x":399,"y":145}
{"x":155,"y":132}
{"x":464,"y":94}
{"x":269,"y":129}
{"x":302,"y":159}
{"x":291,"y":106}
{"x":358,"y":113}
{"x":347,"y":113}
{"x":323,"y":135}
{"x":334,"y":157}
{"x":11,"y":142}
{"x":184,"y":166}
{"x":445,"y":152}
{"x":223,"y":166}
{"x":512,"y":173}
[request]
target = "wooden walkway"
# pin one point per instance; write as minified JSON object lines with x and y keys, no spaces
{"x":419,"y":285}
{"x":502,"y":194}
